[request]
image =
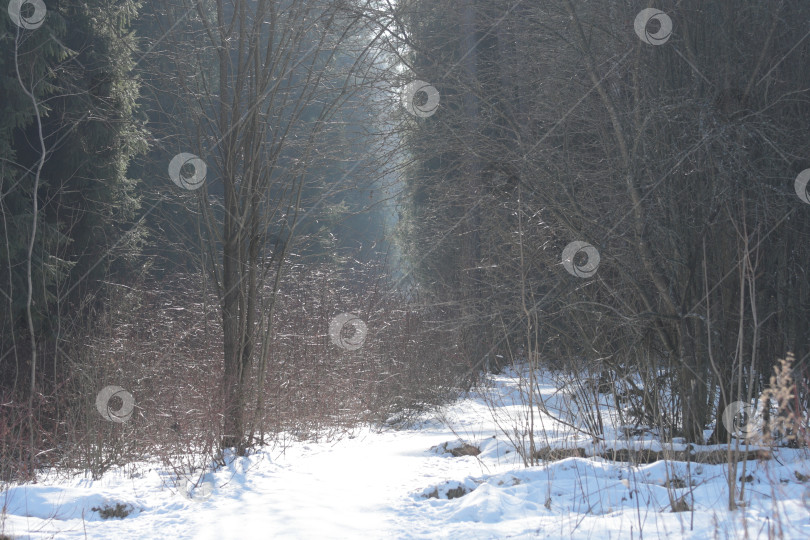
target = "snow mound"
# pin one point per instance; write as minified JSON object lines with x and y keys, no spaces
{"x":63,"y":503}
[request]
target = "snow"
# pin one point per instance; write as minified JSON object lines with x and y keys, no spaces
{"x":405,"y":483}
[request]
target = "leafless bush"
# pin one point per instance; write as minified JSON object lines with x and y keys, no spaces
{"x":403,"y":366}
{"x":162,"y":345}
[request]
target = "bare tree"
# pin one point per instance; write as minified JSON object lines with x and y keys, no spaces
{"x":642,"y":148}
{"x":267,"y":80}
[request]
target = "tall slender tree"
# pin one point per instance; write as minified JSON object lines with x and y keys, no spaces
{"x":266,"y":106}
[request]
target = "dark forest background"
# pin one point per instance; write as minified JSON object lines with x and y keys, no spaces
{"x":672,"y":157}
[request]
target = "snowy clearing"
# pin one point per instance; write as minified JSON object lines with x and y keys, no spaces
{"x":408,"y":483}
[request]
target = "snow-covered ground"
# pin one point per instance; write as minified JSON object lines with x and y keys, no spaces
{"x":395,"y":484}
